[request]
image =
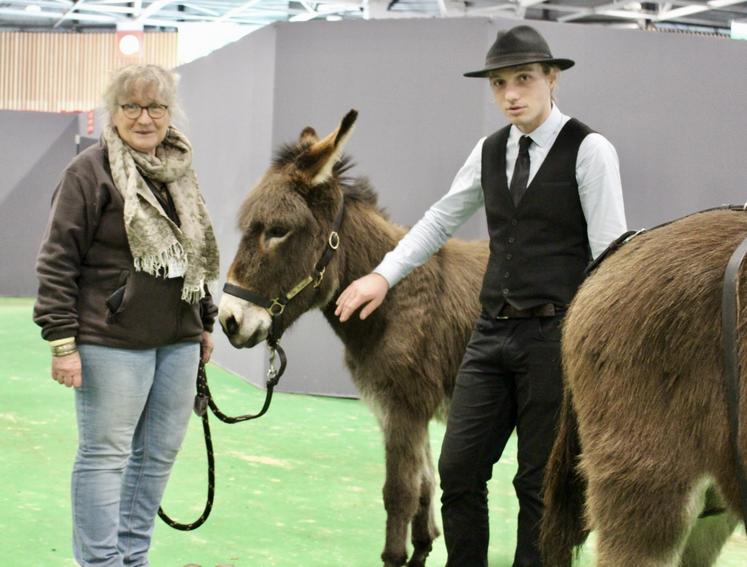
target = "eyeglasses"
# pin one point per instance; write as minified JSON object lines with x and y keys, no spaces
{"x":133,"y":111}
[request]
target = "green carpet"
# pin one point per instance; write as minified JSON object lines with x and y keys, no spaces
{"x":299,"y":487}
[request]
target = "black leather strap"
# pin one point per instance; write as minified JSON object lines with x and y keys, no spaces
{"x":247,"y":295}
{"x":613,"y":246}
{"x":627,"y":236}
{"x":730,"y":332}
{"x":329,"y":250}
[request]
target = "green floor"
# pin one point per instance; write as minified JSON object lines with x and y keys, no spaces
{"x":299,"y":487}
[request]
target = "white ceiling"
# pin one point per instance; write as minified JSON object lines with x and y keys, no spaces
{"x":707,"y":16}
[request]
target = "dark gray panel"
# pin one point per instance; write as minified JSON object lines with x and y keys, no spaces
{"x":35,"y":147}
{"x":228,"y":99}
{"x":671,"y":104}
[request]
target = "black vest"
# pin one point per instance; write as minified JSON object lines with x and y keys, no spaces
{"x":540,"y":248}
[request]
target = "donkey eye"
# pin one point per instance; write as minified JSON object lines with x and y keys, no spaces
{"x":276,"y":232}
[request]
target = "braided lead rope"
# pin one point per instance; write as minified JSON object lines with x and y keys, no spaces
{"x":203,"y":400}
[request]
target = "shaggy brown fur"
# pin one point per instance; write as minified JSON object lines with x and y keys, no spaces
{"x":405,"y":356}
{"x":644,"y":373}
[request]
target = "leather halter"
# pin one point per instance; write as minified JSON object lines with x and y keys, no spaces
{"x":276,"y":305}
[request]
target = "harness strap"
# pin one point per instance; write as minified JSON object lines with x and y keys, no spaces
{"x":613,"y":246}
{"x":333,"y":242}
{"x":629,"y":235}
{"x":730,"y":332}
{"x":247,"y":295}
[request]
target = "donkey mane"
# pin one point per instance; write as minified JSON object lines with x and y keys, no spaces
{"x":355,"y":189}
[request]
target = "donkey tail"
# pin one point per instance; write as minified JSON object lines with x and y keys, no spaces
{"x":563,"y":527}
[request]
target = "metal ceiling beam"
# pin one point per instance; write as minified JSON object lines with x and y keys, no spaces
{"x":66,"y":14}
{"x":256,"y":12}
{"x":153,"y":8}
{"x":54,"y":15}
{"x":696,"y":9}
{"x":614,"y":10}
{"x":236,"y":11}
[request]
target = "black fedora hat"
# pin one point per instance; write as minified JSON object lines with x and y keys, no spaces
{"x":520,"y":45}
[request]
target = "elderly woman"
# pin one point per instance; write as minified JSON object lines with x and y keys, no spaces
{"x":123,"y":302}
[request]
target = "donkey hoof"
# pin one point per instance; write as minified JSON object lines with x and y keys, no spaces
{"x":390,"y":560}
{"x":418,"y":558}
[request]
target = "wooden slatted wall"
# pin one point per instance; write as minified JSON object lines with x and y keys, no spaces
{"x":67,"y":72}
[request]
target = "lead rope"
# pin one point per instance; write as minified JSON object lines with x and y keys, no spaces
{"x":203,"y":401}
{"x":275,"y":308}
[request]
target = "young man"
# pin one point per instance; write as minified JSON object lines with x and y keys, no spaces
{"x":562,"y":207}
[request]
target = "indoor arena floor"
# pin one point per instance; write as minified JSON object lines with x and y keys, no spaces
{"x":299,"y":487}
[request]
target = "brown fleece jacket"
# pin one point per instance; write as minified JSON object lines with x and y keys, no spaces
{"x":88,"y":287}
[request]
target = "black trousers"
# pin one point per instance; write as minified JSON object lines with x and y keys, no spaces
{"x":510,"y":377}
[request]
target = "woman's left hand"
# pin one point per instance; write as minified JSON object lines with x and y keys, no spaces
{"x":206,"y":346}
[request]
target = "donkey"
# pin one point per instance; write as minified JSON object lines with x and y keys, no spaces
{"x":643,"y":451}
{"x":404,"y":357}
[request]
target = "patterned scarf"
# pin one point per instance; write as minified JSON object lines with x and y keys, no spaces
{"x":158,"y":245}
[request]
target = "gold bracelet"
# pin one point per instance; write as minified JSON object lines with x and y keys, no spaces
{"x":64,"y":349}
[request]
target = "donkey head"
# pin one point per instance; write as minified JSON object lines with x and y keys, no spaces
{"x":287,"y":223}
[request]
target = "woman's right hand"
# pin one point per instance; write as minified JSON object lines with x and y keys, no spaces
{"x":370,"y":289}
{"x":66,"y":370}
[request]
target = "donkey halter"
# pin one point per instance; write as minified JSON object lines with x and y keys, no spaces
{"x":276,"y":305}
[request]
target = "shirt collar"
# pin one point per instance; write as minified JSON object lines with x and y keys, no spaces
{"x":544,"y":133}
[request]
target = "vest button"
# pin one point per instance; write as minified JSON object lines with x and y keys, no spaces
{"x":514,"y":222}
{"x":507,"y":275}
{"x":505,"y":291}
{"x":509,"y":256}
{"x":511,"y":240}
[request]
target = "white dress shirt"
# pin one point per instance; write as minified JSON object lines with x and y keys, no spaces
{"x":599,"y":188}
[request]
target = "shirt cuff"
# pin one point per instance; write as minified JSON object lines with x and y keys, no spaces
{"x":390,"y":274}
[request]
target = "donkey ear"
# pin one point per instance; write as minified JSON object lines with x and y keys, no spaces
{"x":308,"y":136}
{"x":318,"y":160}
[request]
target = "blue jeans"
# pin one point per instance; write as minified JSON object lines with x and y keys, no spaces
{"x":133,"y":409}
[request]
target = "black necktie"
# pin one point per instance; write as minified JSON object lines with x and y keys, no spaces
{"x":521,"y":170}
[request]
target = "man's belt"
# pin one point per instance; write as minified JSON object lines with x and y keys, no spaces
{"x":546,"y":310}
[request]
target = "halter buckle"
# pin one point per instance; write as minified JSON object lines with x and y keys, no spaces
{"x":276,"y":308}
{"x":320,"y":277}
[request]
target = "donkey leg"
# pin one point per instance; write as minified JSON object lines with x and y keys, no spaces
{"x":709,"y":534}
{"x":403,"y":439}
{"x":424,"y":529}
{"x":639,"y":524}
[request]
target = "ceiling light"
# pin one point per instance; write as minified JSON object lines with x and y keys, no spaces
{"x":739,"y":29}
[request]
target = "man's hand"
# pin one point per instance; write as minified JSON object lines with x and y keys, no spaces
{"x":66,"y":370}
{"x":369,"y":290}
{"x":206,"y":346}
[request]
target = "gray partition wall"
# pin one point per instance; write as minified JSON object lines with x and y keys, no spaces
{"x":672,"y":104}
{"x":34,"y":148}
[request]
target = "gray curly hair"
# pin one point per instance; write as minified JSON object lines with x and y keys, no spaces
{"x":137,"y":78}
